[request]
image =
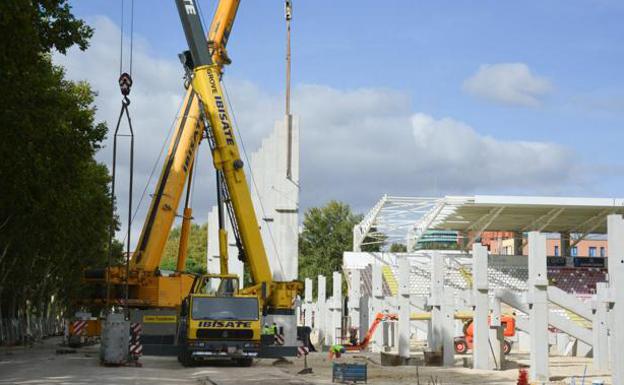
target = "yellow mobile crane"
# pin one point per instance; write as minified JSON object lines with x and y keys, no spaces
{"x":228,"y":324}
{"x":155,"y":296}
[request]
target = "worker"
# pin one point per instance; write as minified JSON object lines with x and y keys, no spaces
{"x":266,"y":330}
{"x":353,"y":336}
{"x":275,"y":331}
{"x":336,"y":351}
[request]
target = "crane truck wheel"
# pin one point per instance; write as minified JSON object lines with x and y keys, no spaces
{"x":185,"y":358}
{"x":461,"y":347}
{"x":244,"y":362}
{"x":506,"y":347}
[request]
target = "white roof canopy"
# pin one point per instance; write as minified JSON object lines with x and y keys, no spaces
{"x":406,"y":220}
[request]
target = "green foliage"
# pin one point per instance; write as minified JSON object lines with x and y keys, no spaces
{"x":55,"y":206}
{"x":197,"y":249}
{"x":327,"y":233}
{"x":398,"y":248}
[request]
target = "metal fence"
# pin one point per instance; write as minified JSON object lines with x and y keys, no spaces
{"x":15,"y":331}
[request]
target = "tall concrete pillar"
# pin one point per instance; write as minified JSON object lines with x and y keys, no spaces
{"x":448,"y":327}
{"x":321,"y":312}
{"x":538,"y":307}
{"x":377,"y":306}
{"x":600,"y":327}
{"x":403,"y":301}
{"x":307,"y":304}
{"x":497,"y":338}
{"x":438,"y":271}
{"x":481,"y":346}
{"x":355,"y":299}
{"x":615,"y":245}
{"x":336,"y":304}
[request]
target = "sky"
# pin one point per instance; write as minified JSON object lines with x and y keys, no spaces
{"x":415,"y":98}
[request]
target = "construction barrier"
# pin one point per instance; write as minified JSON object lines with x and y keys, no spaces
{"x":136,"y":348}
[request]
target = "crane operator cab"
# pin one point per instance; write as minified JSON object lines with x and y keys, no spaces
{"x":219,"y":324}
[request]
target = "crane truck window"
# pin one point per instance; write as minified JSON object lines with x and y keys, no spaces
{"x":225,"y":309}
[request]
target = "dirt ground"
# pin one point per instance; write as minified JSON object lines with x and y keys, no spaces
{"x":41,"y":365}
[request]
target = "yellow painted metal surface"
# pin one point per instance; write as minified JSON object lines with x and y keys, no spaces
{"x":390,"y":279}
{"x":170,"y":187}
{"x":159,"y":319}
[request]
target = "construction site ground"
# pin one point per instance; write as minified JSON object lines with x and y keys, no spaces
{"x":40,"y":364}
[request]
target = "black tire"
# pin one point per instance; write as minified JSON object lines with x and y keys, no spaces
{"x":244,"y":362}
{"x":506,"y":347}
{"x":461,"y":347}
{"x":185,"y":358}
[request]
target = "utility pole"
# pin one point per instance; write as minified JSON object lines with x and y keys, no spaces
{"x":288,"y":15}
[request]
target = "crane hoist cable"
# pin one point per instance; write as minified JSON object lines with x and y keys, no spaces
{"x":125,"y":86}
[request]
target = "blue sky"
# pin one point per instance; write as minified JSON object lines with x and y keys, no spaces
{"x":418,"y":56}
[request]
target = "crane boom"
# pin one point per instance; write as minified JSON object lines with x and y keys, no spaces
{"x":226,"y":156}
{"x":181,"y":155}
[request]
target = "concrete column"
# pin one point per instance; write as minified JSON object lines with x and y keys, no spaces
{"x":497,"y":338}
{"x":307,"y":303}
{"x":321,"y":312}
{"x":354,"y":299}
{"x":403,"y":301}
{"x":448,"y":327}
{"x":481,"y":346}
{"x":615,"y":244}
{"x":336,"y":304}
{"x":377,"y":306}
{"x":600,"y":328}
{"x":438,"y":271}
{"x":538,"y":307}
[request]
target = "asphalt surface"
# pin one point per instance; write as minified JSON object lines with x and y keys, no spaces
{"x":41,"y":364}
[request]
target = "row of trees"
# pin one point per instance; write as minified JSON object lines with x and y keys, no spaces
{"x":54,"y":203}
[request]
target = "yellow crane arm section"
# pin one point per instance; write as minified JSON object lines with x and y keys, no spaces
{"x":180,"y":157}
{"x":170,"y":187}
{"x":220,"y":29}
{"x":227,"y":160}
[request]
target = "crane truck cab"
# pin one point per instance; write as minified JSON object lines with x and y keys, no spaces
{"x":219,"y":324}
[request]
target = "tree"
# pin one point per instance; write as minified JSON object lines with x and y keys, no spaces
{"x":327,"y":233}
{"x":398,"y":248}
{"x":197,"y":249}
{"x":55,"y":204}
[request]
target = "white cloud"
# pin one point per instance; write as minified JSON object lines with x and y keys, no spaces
{"x":355,"y":144}
{"x":508,"y":83}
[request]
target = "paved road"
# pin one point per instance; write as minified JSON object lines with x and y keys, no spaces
{"x":41,"y":365}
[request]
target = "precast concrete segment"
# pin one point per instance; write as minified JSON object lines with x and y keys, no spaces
{"x":377,"y":306}
{"x":600,"y":327}
{"x":615,"y":245}
{"x":538,"y":304}
{"x":336,"y":307}
{"x":355,"y":298}
{"x":497,"y":338}
{"x":403,"y":300}
{"x":438,"y":271}
{"x":321,"y":320}
{"x":448,"y":327}
{"x":308,"y":302}
{"x":481,"y":347}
